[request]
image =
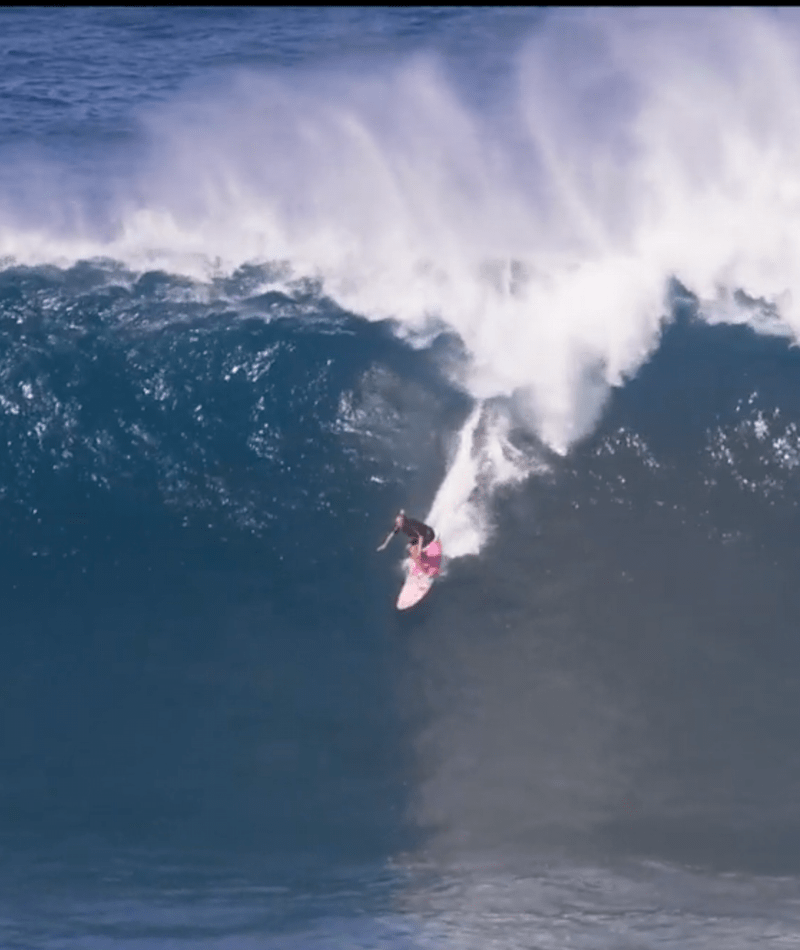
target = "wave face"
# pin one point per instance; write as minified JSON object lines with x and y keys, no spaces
{"x":267,"y":277}
{"x":152,"y":431}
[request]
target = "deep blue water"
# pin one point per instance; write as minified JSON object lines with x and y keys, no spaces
{"x":217,"y":386}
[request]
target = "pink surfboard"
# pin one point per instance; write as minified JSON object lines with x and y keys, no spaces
{"x":419,"y":582}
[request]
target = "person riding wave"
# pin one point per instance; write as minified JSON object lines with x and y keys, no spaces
{"x":421,"y":536}
{"x":425,"y":552}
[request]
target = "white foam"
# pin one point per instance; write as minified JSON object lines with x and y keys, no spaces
{"x":484,"y":460}
{"x":627,"y":148}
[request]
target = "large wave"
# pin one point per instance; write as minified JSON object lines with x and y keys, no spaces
{"x":542,"y":222}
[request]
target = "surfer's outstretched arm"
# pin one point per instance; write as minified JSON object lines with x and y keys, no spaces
{"x":387,"y":539}
{"x":398,"y":526}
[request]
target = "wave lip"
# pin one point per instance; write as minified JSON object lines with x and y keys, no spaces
{"x":542,"y":225}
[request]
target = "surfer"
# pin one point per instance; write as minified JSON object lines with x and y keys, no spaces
{"x":426,"y":557}
{"x":421,"y":534}
{"x":416,"y":530}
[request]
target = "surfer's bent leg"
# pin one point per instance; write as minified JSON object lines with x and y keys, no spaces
{"x":416,"y":529}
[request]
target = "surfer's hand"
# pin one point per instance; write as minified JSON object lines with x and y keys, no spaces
{"x":398,"y":521}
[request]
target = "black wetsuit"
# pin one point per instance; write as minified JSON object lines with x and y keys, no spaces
{"x":415,"y":529}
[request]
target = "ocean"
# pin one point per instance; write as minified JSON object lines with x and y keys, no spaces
{"x":268,"y":276}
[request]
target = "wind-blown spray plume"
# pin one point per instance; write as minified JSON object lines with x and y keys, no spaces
{"x":622,"y":150}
